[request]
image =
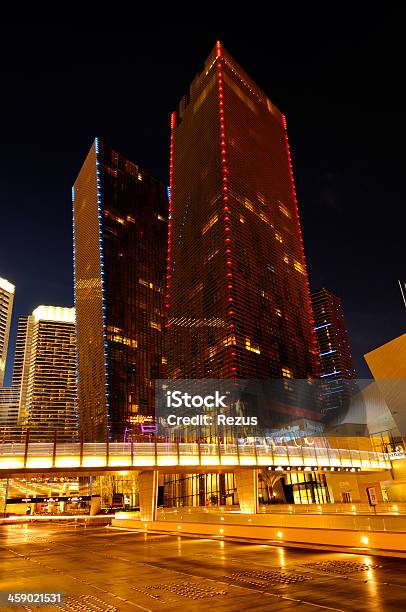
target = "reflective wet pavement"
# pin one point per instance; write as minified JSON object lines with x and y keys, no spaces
{"x":103,"y":569}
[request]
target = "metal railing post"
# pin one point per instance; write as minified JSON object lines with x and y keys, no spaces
{"x":81,"y":449}
{"x":27,"y":441}
{"x":107,"y":448}
{"x":54,"y":448}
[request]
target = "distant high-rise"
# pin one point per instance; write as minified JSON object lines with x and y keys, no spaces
{"x":6,"y":308}
{"x":237,"y":288}
{"x":336,"y":362}
{"x":46,"y":376}
{"x":120,"y":237}
{"x":19,"y":353}
{"x":9,"y":407}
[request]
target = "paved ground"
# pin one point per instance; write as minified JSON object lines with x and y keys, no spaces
{"x":102,"y":569}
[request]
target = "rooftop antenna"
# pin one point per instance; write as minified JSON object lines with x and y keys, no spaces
{"x":402,"y":286}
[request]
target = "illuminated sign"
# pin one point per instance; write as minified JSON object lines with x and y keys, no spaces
{"x":47,"y":500}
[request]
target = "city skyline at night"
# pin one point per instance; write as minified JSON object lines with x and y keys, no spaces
{"x":202,"y":326}
{"x":339,"y":203}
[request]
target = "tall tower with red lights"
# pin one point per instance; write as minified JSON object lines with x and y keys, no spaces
{"x":237,"y":299}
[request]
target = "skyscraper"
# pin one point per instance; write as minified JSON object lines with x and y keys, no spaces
{"x":19,"y":353}
{"x":336,"y":362}
{"x":9,"y":407}
{"x":6,"y":308}
{"x":237,"y":296}
{"x":48,"y":398}
{"x":120,"y":237}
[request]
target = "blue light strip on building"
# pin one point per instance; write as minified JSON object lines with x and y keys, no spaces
{"x":320,"y":326}
{"x":328,"y":352}
{"x":101,"y":251}
{"x":330,"y":374}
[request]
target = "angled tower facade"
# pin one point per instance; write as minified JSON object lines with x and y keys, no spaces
{"x":120,"y":238}
{"x":237,"y":296}
{"x":6,"y":308}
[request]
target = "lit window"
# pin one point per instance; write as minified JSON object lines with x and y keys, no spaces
{"x":251,"y":346}
{"x":287,"y":373}
{"x":286,"y":259}
{"x":161,"y":218}
{"x":210,"y":224}
{"x":299,"y":267}
{"x":278,"y":237}
{"x":284,"y":210}
{"x":139,"y":176}
{"x":155,"y":325}
{"x":211,"y":255}
{"x":242,"y":220}
{"x":265,"y":218}
{"x":278,"y":312}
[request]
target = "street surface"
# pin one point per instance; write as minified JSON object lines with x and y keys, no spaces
{"x":103,"y":569}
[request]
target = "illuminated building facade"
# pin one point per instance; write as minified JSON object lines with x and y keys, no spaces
{"x":6,"y":308}
{"x":120,"y":238}
{"x":388,"y":366}
{"x":237,"y":295}
{"x":19,"y":353}
{"x":9,"y":406}
{"x":48,"y":398}
{"x":336,"y":362}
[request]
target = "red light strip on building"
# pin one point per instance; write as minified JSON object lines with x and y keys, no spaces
{"x":169,"y":260}
{"x":309,"y":304}
{"x":226,"y":210}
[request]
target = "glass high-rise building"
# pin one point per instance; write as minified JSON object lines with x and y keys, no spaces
{"x":120,"y":216}
{"x":237,"y":295}
{"x":332,"y":335}
{"x":336,"y":362}
{"x":19,"y":352}
{"x":6,"y":307}
{"x":9,"y":407}
{"x":45,"y":378}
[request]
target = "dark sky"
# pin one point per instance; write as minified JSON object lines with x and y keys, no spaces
{"x":337,"y":78}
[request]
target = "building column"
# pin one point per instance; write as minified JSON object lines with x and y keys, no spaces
{"x":148,"y":492}
{"x":247,"y":489}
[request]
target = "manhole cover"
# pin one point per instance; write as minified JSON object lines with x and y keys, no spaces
{"x":85,"y":603}
{"x":264,"y":577}
{"x":341,"y":567}
{"x":187,"y":589}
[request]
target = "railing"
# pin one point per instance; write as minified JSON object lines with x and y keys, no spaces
{"x":110,"y":455}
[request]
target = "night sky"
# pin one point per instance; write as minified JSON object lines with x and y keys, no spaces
{"x":337,"y":80}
